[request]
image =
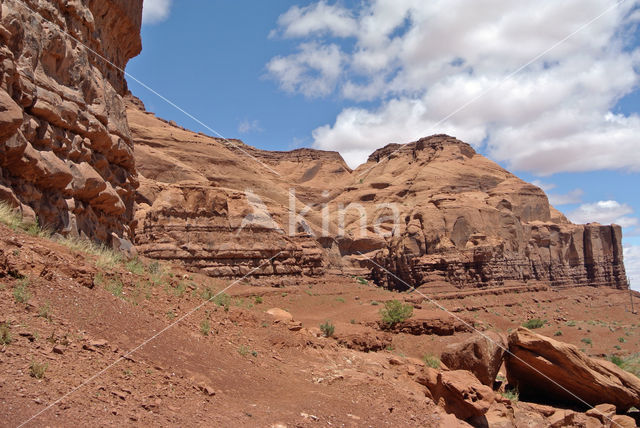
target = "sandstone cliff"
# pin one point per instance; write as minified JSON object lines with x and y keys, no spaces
{"x":430,"y":212}
{"x":211,"y":205}
{"x":466,"y":221}
{"x":66,"y":154}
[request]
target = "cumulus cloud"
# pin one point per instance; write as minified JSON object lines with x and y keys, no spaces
{"x":155,"y":11}
{"x":482,"y":71}
{"x":316,"y":18}
{"x":632,"y":265}
{"x":604,"y":212}
{"x":313,"y":71}
{"x":247,"y":126}
{"x":572,"y":197}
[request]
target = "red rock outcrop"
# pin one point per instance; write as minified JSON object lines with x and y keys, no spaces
{"x":429,"y":212}
{"x":66,"y":153}
{"x":482,"y":355}
{"x":464,"y":220}
{"x":458,"y":392}
{"x":543,"y":368}
{"x":209,"y":204}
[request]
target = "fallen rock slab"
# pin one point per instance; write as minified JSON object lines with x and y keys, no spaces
{"x":482,"y":355}
{"x":458,"y":391}
{"x":543,"y":368}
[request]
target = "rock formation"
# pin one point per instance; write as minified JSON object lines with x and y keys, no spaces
{"x":458,"y":392}
{"x":467,"y":221}
{"x":429,"y":212}
{"x":482,"y":355}
{"x":543,"y":368}
{"x":213,"y":206}
{"x":66,"y":154}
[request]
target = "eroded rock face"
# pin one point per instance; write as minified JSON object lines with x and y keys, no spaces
{"x":480,"y":354}
{"x":430,"y":212}
{"x":66,"y":153}
{"x":210,"y":205}
{"x":467,"y":221}
{"x":543,"y":368}
{"x":458,"y":392}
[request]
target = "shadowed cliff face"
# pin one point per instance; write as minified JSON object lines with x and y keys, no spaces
{"x":66,"y":155}
{"x":429,"y":212}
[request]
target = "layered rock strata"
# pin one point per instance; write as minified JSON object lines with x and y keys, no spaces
{"x":433,"y":212}
{"x":466,"y":221}
{"x":208,"y":204}
{"x":66,"y":154}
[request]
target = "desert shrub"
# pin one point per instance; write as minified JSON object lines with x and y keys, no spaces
{"x":207,"y":293}
{"x":21,"y":291}
{"x":205,"y":327}
{"x":534,"y":323}
{"x":115,"y":287}
{"x":135,"y":266}
{"x":154,"y":268}
{"x":511,"y":394}
{"x":5,"y":334}
{"x":9,"y":216}
{"x":340,"y":299}
{"x":45,"y":311}
{"x":431,"y":361}
{"x":106,"y":257}
{"x":37,"y":369}
{"x":631,"y":364}
{"x":395,"y":311}
{"x":361,"y":280}
{"x":621,"y":339}
{"x":557,"y":333}
{"x":222,"y":299}
{"x":327,"y":328}
{"x":258,"y":300}
{"x":616,"y":360}
{"x":586,"y":340}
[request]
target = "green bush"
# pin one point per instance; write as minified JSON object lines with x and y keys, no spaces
{"x":511,"y":394}
{"x":37,"y":370}
{"x":586,"y":340}
{"x":534,"y":323}
{"x":395,"y":311}
{"x":431,"y":361}
{"x":205,"y":328}
{"x":135,"y":267}
{"x":557,"y":333}
{"x":258,"y":300}
{"x":21,"y":291}
{"x":5,"y":334}
{"x":327,"y":328}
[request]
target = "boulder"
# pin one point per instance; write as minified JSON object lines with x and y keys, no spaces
{"x":280,"y":315}
{"x":543,"y":368}
{"x":10,"y":116}
{"x":458,"y":391}
{"x":482,"y":355}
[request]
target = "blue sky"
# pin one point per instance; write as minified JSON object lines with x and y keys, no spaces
{"x":547,"y":89}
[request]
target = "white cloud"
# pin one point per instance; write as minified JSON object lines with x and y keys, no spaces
{"x":316,"y":18}
{"x":421,"y":62}
{"x":632,"y":265}
{"x":312,"y":71}
{"x":155,"y":11}
{"x":246,"y":126}
{"x":604,"y":212}
{"x":572,"y":197}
